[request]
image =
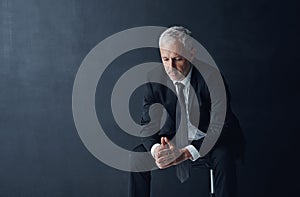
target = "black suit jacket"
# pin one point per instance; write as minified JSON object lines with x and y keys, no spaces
{"x":231,"y":134}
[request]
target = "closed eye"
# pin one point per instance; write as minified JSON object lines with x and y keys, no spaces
{"x":178,"y":59}
{"x":174,"y":59}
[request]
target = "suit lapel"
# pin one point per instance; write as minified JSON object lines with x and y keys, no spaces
{"x":193,"y":88}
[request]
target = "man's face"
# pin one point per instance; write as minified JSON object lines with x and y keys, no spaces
{"x":176,"y":66}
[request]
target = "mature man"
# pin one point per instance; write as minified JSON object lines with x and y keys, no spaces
{"x":187,"y":102}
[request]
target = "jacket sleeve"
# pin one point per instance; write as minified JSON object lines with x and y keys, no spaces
{"x":151,"y":118}
{"x":231,"y":133}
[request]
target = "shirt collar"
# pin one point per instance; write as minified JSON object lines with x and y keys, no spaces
{"x":186,"y":80}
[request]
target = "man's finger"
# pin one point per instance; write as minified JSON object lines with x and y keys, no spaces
{"x":159,"y":149}
{"x":165,"y":160}
{"x":169,"y":143}
{"x":163,"y":153}
{"x":164,"y":166}
{"x":168,"y":151}
{"x":169,"y":161}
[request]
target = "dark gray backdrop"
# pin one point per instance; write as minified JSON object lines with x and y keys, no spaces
{"x":42,"y":43}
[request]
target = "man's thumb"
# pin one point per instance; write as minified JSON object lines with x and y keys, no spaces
{"x":170,"y":144}
{"x":167,"y":141}
{"x":162,"y":141}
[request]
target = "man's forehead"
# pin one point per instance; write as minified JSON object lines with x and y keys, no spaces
{"x":173,"y":47}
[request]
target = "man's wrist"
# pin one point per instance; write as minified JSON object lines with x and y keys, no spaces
{"x":187,"y":154}
{"x":193,"y":152}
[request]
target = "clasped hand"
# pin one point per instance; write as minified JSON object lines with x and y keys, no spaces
{"x":167,"y":154}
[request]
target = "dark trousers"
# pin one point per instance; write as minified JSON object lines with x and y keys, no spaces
{"x":220,"y":159}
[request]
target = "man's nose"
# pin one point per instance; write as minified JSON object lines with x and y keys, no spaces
{"x":172,"y":63}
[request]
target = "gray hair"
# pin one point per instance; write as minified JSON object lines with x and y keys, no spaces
{"x":177,"y":33}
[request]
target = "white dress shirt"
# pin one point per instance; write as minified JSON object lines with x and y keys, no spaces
{"x":193,"y":132}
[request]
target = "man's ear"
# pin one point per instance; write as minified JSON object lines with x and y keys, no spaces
{"x":193,"y":53}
